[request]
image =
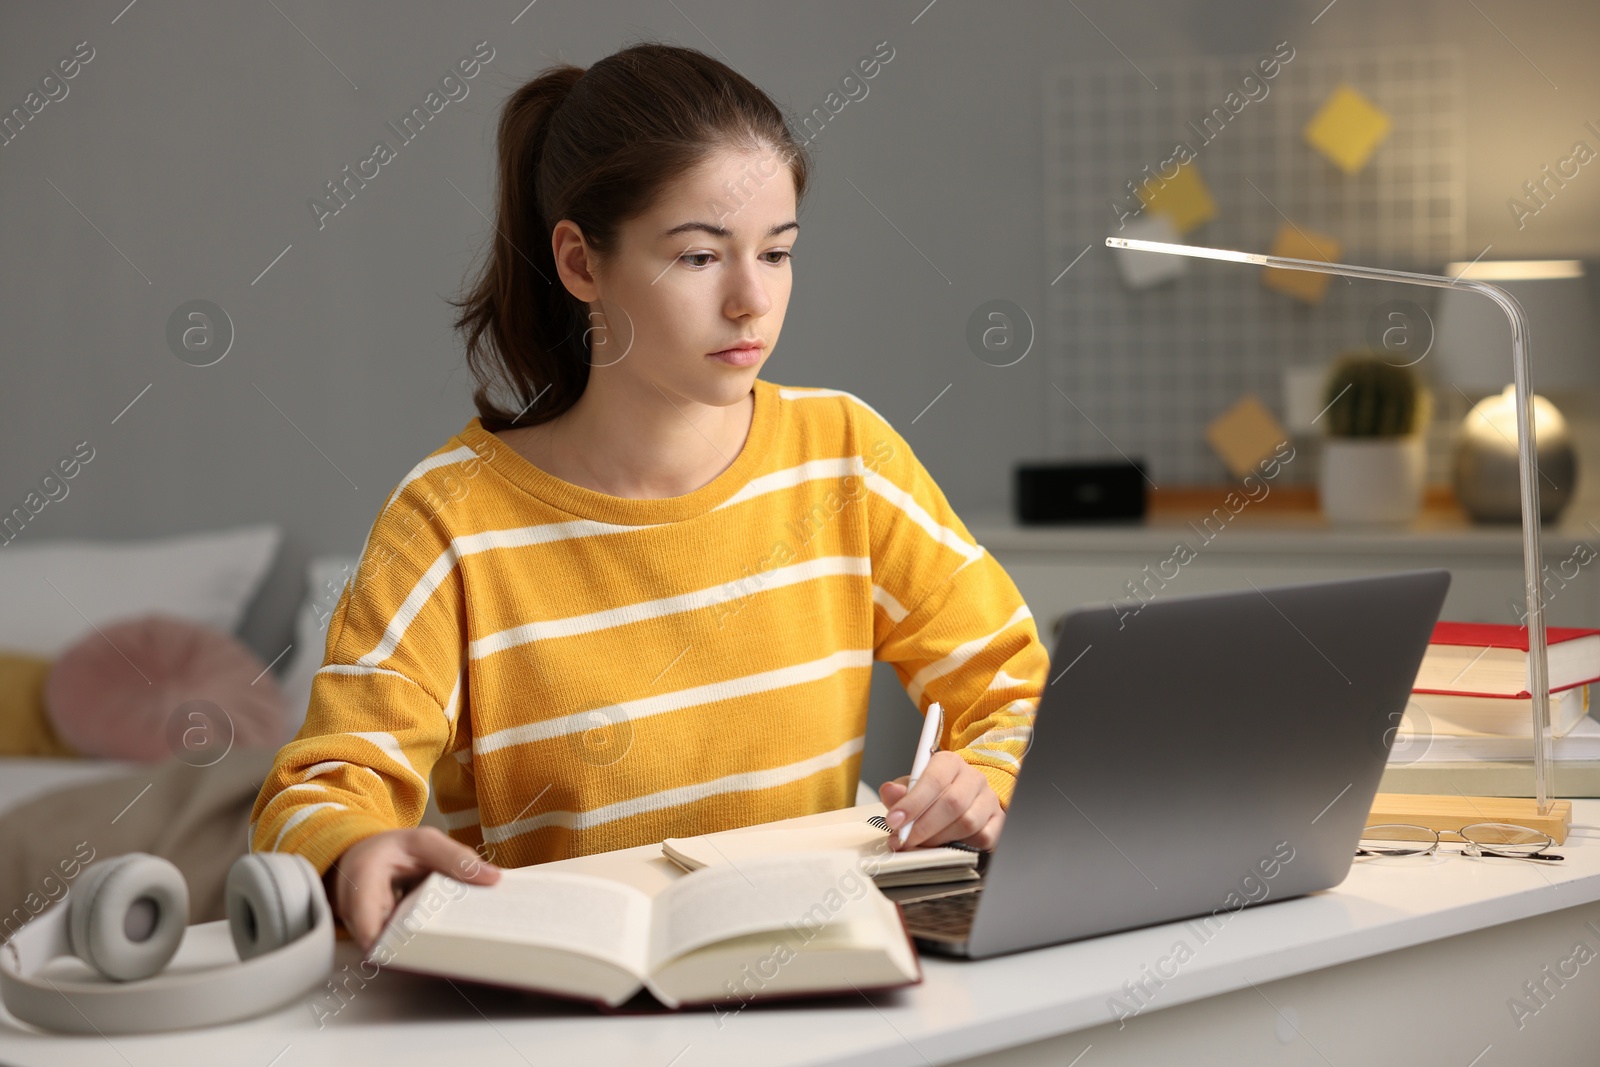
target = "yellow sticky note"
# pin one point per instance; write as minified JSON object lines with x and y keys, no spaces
{"x":1347,"y":128}
{"x":1245,"y":434}
{"x":1297,"y":242}
{"x":1183,"y":199}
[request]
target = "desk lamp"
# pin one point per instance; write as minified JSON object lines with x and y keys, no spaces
{"x":1471,"y":344}
{"x":1533,"y":565}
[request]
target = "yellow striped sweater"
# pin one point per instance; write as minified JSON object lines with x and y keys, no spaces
{"x":574,"y":672}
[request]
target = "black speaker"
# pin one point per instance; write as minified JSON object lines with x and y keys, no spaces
{"x":1080,"y":492}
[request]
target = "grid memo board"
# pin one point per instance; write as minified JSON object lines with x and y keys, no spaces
{"x":1152,"y":367}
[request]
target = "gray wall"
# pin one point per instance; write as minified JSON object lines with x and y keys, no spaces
{"x":180,"y":162}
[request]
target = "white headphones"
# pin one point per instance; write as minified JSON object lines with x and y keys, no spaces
{"x":127,"y":916}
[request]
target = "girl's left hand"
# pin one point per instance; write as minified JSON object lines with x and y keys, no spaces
{"x":952,"y":801}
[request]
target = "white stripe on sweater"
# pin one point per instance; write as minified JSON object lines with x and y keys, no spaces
{"x":389,"y":746}
{"x":960,"y":655}
{"x":460,"y":547}
{"x":846,"y":466}
{"x":358,"y":668}
{"x":454,"y":702}
{"x":455,"y":820}
{"x":326,"y":766}
{"x":790,"y":477}
{"x":641,"y":611}
{"x":761,"y":682}
{"x":914,"y":511}
{"x":1002,"y":735}
{"x":996,"y":754}
{"x":323,"y":768}
{"x":802,"y":393}
{"x":885,"y":600}
{"x":409,"y":608}
{"x":463,"y":454}
{"x":990,"y":742}
{"x":301,"y":815}
{"x":747,"y":781}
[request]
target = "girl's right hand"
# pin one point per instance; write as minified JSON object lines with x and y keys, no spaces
{"x":368,"y":880}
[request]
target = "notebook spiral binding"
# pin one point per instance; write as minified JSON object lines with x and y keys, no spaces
{"x":883,"y":824}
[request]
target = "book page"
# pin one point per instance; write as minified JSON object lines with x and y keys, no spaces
{"x":592,"y":916}
{"x":764,"y":893}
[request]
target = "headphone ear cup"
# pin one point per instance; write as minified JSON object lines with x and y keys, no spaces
{"x":127,"y":915}
{"x":269,"y":900}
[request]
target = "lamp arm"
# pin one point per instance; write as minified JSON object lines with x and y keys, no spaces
{"x":1527,"y":462}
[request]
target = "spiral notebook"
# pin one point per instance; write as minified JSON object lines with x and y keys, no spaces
{"x":868,"y":838}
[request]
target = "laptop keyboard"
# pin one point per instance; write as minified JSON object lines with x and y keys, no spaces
{"x":942,"y":918}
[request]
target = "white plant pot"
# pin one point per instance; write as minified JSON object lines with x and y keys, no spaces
{"x":1373,"y":480}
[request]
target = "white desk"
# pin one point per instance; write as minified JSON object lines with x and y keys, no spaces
{"x":1406,"y":962}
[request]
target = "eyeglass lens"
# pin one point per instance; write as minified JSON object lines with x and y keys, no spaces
{"x":1506,"y":839}
{"x":1397,"y":839}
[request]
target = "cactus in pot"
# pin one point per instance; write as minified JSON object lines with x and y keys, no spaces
{"x":1367,"y":396}
{"x":1374,"y":459}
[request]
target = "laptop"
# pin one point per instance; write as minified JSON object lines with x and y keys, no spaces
{"x":1202,"y":754}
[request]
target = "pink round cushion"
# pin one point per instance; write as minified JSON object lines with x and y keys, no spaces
{"x":157,"y":686}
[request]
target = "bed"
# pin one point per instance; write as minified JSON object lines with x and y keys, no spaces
{"x":57,"y":812}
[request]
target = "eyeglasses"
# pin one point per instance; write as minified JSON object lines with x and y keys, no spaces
{"x":1499,"y":839}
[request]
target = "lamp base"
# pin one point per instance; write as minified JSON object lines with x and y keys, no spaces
{"x":1438,"y":812}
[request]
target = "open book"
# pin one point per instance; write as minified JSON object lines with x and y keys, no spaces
{"x":870,"y":843}
{"x":772,"y":926}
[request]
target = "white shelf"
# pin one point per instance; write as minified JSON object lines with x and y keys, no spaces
{"x":1300,"y":533}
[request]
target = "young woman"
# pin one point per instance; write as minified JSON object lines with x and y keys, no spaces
{"x":642,"y":598}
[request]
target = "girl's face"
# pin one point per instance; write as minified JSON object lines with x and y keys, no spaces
{"x":704,"y":269}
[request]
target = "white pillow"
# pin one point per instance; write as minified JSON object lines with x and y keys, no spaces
{"x":325,"y":580}
{"x":207,"y":578}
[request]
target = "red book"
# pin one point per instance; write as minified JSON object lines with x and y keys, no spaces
{"x":1491,"y":659}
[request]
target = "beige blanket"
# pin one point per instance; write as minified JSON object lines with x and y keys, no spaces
{"x":197,"y":817}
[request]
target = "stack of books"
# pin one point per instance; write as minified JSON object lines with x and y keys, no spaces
{"x":1469,"y":722}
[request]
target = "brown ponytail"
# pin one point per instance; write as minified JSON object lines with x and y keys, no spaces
{"x":595,"y":147}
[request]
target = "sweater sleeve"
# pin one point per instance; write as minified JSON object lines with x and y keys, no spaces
{"x":947,"y":615}
{"x":384,"y":704}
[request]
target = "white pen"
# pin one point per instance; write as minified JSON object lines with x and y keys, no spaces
{"x":932,"y":726}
